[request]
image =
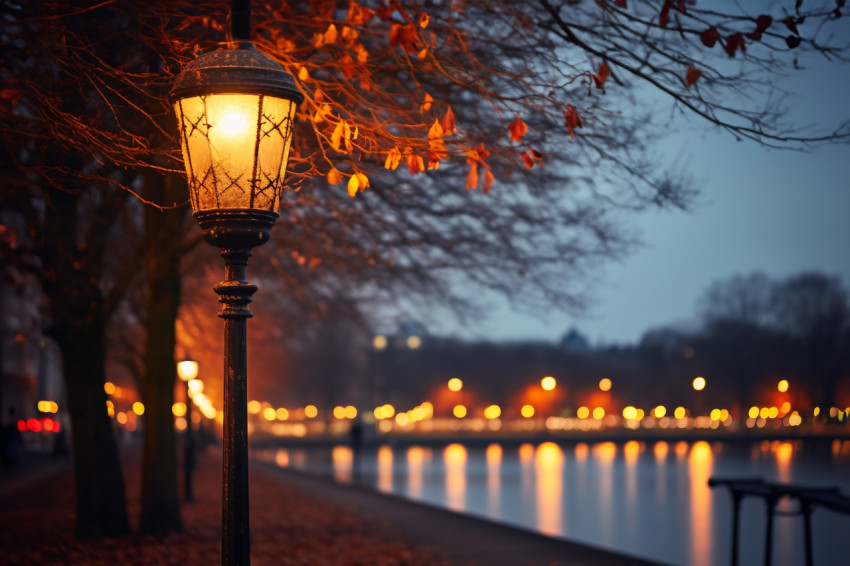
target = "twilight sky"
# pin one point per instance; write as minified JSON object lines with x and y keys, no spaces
{"x":779,"y":212}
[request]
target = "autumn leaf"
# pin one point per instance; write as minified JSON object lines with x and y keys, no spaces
{"x":426,"y":104}
{"x":423,"y":20}
{"x":709,"y":37}
{"x":762,"y":23}
{"x":357,"y":182}
{"x":599,"y":79}
{"x":436,"y":131}
{"x":334,"y":177}
{"x":434,"y":160}
{"x":488,"y":180}
{"x":327,"y":38}
{"x":303,"y":75}
{"x":692,"y":76}
{"x":733,"y":43}
{"x":472,"y":177}
{"x":393,"y":157}
{"x":448,"y":122}
{"x":404,"y":36}
{"x":336,"y":137}
{"x":791,"y":23}
{"x":664,"y":16}
{"x":358,"y":15}
{"x":529,"y":162}
{"x":621,"y":3}
{"x":518,"y":128}
{"x":415,"y":163}
{"x":422,"y":54}
{"x":535,"y":154}
{"x":573,"y":120}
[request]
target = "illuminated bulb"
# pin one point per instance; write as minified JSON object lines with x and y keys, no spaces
{"x":699,"y":383}
{"x":233,"y":123}
{"x":548,"y":383}
{"x":605,"y":384}
{"x":782,"y":386}
{"x":527,"y":411}
{"x":310,"y":411}
{"x":455,"y":384}
{"x":459,"y":411}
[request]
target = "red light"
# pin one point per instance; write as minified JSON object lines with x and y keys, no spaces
{"x":48,"y":424}
{"x":22,"y":425}
{"x":34,"y":425}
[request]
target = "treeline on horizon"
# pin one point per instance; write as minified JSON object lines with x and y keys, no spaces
{"x":753,"y":331}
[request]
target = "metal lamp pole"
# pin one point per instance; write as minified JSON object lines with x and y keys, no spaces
{"x":235,"y":109}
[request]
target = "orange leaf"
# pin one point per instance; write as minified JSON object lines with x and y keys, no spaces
{"x":518,"y":128}
{"x":472,"y":178}
{"x":434,"y":160}
{"x":573,"y":120}
{"x":336,"y":137}
{"x":334,"y":177}
{"x":692,"y":76}
{"x":448,"y":122}
{"x":604,"y":73}
{"x":358,"y":15}
{"x":422,"y":54}
{"x":393,"y":157}
{"x":357,"y":182}
{"x":529,"y":162}
{"x":423,"y":20}
{"x":303,"y":75}
{"x":426,"y":104}
{"x":414,"y":162}
{"x":436,"y":131}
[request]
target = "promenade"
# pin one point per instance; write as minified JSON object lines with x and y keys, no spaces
{"x":296,"y":519}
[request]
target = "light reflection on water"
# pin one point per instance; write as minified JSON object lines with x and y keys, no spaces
{"x":646,"y":499}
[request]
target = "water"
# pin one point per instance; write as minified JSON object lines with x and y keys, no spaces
{"x":646,"y":499}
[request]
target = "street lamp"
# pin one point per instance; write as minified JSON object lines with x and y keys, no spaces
{"x":187,"y":370}
{"x":235,"y":108}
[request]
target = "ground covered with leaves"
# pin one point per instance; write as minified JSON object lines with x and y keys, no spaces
{"x":288,"y":527}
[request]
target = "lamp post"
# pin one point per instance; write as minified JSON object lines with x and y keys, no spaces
{"x":187,"y":370}
{"x":235,"y":108}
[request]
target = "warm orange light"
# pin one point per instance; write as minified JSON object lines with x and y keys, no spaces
{"x":282,"y":414}
{"x":459,"y":411}
{"x":138,"y":408}
{"x":196,"y":386}
{"x":629,"y":412}
{"x":583,"y":412}
{"x":350,"y":412}
{"x":598,"y":413}
{"x":605,"y":384}
{"x":311,"y":412}
{"x":187,"y":370}
{"x":782,"y":386}
{"x":455,"y":384}
{"x":402,"y":419}
{"x":699,"y":383}
{"x":109,"y":387}
{"x":680,"y":413}
{"x":379,"y":342}
{"x":254,"y":407}
{"x":527,"y":411}
{"x":269,"y":413}
{"x":413,"y":342}
{"x":548,"y":383}
{"x":492,"y":412}
{"x":121,"y":417}
{"x":659,"y":411}
{"x":178,"y":409}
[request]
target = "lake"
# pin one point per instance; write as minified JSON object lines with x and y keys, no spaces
{"x":649,"y":499}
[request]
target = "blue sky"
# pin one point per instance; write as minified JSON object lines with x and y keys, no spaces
{"x":776,"y":211}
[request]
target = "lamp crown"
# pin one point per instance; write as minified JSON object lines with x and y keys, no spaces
{"x":241,"y":69}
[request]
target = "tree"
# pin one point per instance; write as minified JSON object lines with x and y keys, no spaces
{"x":520,"y":128}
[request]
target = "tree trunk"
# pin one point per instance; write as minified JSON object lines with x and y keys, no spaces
{"x":160,"y":513}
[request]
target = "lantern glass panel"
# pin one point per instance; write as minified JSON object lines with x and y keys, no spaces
{"x":235,"y":148}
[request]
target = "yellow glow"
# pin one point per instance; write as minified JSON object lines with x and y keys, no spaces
{"x":527,"y":411}
{"x":379,"y":342}
{"x":629,"y":412}
{"x":282,"y":414}
{"x":605,"y":384}
{"x":455,"y":384}
{"x":679,"y":413}
{"x":350,"y":412}
{"x":311,"y":412}
{"x":817,"y":411}
{"x":598,"y":413}
{"x":121,"y":417}
{"x":772,"y":413}
{"x":109,"y":387}
{"x":715,"y":414}
{"x":187,"y":370}
{"x":402,"y":419}
{"x":209,"y":411}
{"x":459,"y":411}
{"x":786,"y":406}
{"x":196,"y":386}
{"x":583,"y":412}
{"x":413,"y":342}
{"x":795,"y":419}
{"x":269,"y":413}
{"x":660,"y":450}
{"x":254,"y":407}
{"x":753,"y":412}
{"x":699,"y":383}
{"x":138,"y":408}
{"x":339,"y":412}
{"x":492,"y":412}
{"x":549,"y":464}
{"x":454,"y":457}
{"x":385,"y":468}
{"x":764,"y":412}
{"x":110,"y":408}
{"x":343,"y":460}
{"x":220,"y":142}
{"x":548,"y":383}
{"x":659,"y":411}
{"x":782,"y":386}
{"x":180,"y":423}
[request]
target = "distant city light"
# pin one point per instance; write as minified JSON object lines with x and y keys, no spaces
{"x":350,"y":412}
{"x":455,"y":384}
{"x":311,"y":412}
{"x":782,"y":386}
{"x":178,"y":409}
{"x":699,"y":383}
{"x":402,"y":419}
{"x":379,"y":342}
{"x":121,"y":417}
{"x":109,"y":387}
{"x":629,"y":412}
{"x":598,"y":413}
{"x":659,"y":411}
{"x":254,"y":407}
{"x":679,"y":413}
{"x":492,"y":412}
{"x":413,"y":342}
{"x":583,"y":412}
{"x":817,"y":411}
{"x":269,"y":413}
{"x":605,"y":384}
{"x":282,"y":414}
{"x":527,"y":411}
{"x":459,"y":411}
{"x":548,"y":383}
{"x":138,"y":408}
{"x":195,"y":386}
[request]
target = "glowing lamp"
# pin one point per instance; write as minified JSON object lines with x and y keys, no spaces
{"x":187,"y":370}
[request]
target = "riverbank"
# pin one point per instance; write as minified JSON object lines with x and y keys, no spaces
{"x":296,"y":519}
